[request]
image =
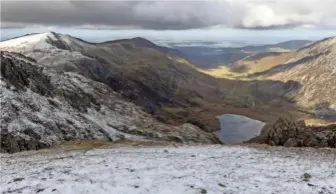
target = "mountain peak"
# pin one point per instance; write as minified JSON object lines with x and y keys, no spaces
{"x":142,"y":42}
{"x":24,"y":41}
{"x":141,"y":39}
{"x":41,"y":41}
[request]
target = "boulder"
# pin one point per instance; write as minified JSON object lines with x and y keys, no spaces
{"x":290,"y":133}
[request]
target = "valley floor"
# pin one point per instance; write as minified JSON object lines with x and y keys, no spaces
{"x":166,"y":170}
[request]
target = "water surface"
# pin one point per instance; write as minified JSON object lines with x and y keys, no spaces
{"x":237,"y":128}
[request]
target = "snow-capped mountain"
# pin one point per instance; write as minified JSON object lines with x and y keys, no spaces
{"x":42,"y":107}
{"x":51,"y":49}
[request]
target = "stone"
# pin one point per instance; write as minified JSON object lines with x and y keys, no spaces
{"x":291,"y":143}
{"x":306,"y":177}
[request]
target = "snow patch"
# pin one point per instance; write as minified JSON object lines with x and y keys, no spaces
{"x":166,"y":170}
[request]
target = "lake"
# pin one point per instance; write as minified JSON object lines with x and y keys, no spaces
{"x":237,"y":128}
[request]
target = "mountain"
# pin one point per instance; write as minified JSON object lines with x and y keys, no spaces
{"x":141,"y":42}
{"x":311,"y":70}
{"x":314,"y":67}
{"x":291,"y":45}
{"x":172,"y":90}
{"x":209,"y":57}
{"x":42,"y":107}
{"x":166,"y":87}
{"x":153,"y":80}
{"x":206,"y":57}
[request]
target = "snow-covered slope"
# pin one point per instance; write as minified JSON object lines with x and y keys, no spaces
{"x":27,"y":42}
{"x":49,"y":40}
{"x":167,"y":170}
{"x":50,"y":49}
{"x":42,"y":107}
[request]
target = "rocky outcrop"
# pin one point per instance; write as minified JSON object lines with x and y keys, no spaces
{"x":42,"y":107}
{"x":11,"y":143}
{"x":289,"y":133}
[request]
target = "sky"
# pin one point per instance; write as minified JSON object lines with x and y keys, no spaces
{"x":239,"y":20}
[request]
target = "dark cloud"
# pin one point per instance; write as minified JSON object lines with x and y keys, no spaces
{"x":270,"y":27}
{"x":149,"y":15}
{"x":166,"y":15}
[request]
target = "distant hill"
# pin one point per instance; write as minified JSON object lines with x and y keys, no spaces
{"x":206,"y":57}
{"x":284,"y":46}
{"x":142,"y":42}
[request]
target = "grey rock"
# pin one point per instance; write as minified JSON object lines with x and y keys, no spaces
{"x":306,"y":177}
{"x":291,"y":143}
{"x":290,"y":133}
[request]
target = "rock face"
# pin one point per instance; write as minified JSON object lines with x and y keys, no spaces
{"x":286,"y":132}
{"x":41,"y":107}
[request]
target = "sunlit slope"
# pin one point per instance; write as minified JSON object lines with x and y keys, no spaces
{"x":252,"y":64}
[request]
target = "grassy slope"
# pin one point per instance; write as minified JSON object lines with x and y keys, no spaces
{"x":250,"y":65}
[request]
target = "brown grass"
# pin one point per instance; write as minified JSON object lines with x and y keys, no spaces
{"x":90,"y":144}
{"x":267,"y":62}
{"x":250,"y":66}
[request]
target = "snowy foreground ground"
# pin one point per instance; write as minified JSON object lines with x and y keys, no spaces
{"x":171,"y":170}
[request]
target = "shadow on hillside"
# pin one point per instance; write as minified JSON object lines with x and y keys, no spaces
{"x":324,"y":110}
{"x":261,"y":55}
{"x":239,"y":69}
{"x":269,"y":90}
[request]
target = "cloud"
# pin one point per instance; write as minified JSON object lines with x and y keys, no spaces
{"x":170,"y":15}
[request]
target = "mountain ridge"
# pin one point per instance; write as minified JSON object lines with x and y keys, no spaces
{"x":42,"y":108}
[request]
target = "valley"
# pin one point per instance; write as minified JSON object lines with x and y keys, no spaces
{"x":168,"y":97}
{"x":211,"y":54}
